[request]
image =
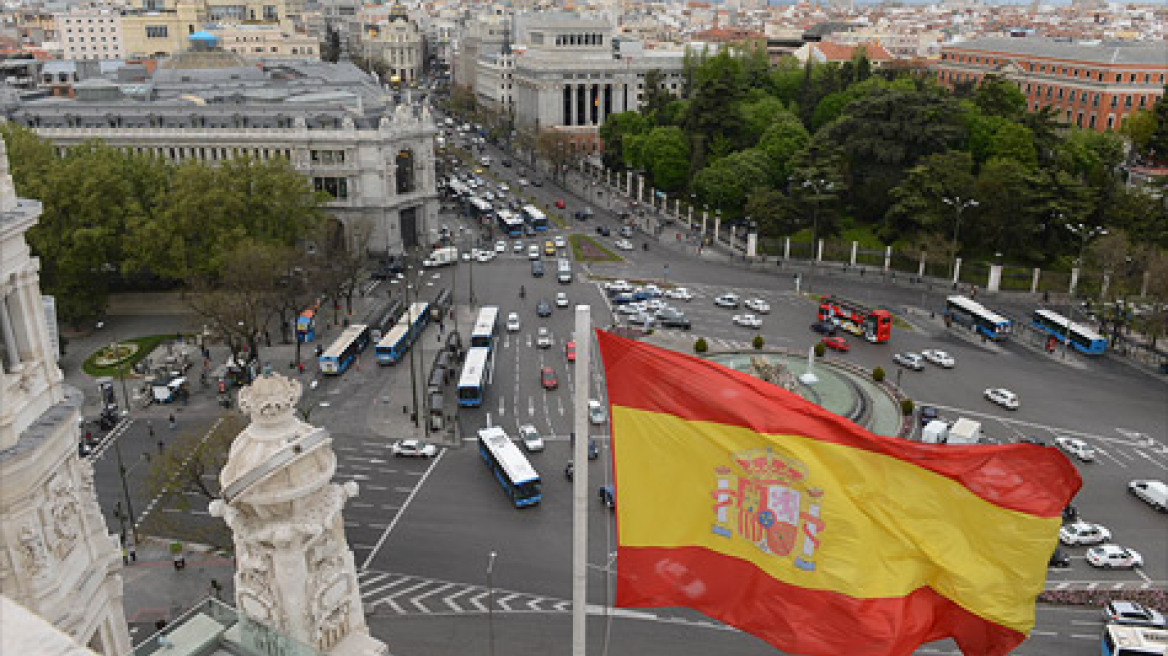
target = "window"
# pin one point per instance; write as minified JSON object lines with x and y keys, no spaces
{"x":328,"y":157}
{"x":156,"y":32}
{"x":1115,"y":101}
{"x":338,"y":188}
{"x":1110,"y":121}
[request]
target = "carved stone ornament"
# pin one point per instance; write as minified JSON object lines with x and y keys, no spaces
{"x":34,"y":558}
{"x":64,"y":509}
{"x":270,"y":400}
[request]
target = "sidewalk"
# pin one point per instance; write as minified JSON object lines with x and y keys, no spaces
{"x":154,"y":590}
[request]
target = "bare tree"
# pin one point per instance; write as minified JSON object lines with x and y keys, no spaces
{"x":558,"y":149}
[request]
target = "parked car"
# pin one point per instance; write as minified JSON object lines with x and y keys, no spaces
{"x":618,"y":287}
{"x":532,"y":440}
{"x":728,"y":300}
{"x":824,"y":327}
{"x":543,"y":338}
{"x":513,"y":322}
{"x":747,"y":321}
{"x":836,"y":343}
{"x":679,"y":294}
{"x":1110,"y":556}
{"x":623,"y":298}
{"x":596,"y":413}
{"x":1130,"y":613}
{"x":757,"y":305}
{"x":670,"y":318}
{"x":1002,"y":397}
{"x":547,"y":378}
{"x":1083,"y":533}
{"x":413,"y":449}
{"x":939,"y":358}
{"x":543,"y":308}
{"x":909,"y":360}
{"x":1076,"y":447}
{"x":603,"y":231}
{"x":1154,"y":493}
{"x":642,"y":319}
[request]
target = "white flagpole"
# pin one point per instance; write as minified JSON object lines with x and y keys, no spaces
{"x":583,"y":339}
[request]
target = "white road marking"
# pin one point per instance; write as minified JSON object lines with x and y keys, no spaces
{"x":400,"y":512}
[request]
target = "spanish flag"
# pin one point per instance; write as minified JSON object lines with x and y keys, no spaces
{"x":758,"y":508}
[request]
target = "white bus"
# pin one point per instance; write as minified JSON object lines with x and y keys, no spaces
{"x":341,"y":353}
{"x":483,"y":333}
{"x":510,"y":467}
{"x":534,"y":217}
{"x":1121,"y":640}
{"x":977,"y":317}
{"x":473,"y":382}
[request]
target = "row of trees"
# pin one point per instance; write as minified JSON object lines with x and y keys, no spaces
{"x":822,"y":148}
{"x":236,"y":236}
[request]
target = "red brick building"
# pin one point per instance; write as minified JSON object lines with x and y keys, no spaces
{"x":1094,"y":86}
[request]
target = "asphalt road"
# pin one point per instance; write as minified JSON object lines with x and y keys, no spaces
{"x":422,"y":530}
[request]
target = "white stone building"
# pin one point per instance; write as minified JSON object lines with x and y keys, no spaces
{"x":391,"y":36}
{"x":90,"y":33}
{"x":57,"y":559}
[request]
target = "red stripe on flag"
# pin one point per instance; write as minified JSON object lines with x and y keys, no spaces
{"x":1024,"y":477}
{"x":800,"y":620}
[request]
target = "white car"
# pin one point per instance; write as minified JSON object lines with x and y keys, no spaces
{"x":517,"y":247}
{"x":728,"y":301}
{"x":1002,"y":397}
{"x":543,"y":338}
{"x":618,"y":286}
{"x":655,"y":305}
{"x":500,"y":246}
{"x":630,"y":309}
{"x":1076,"y":447}
{"x":413,"y":449}
{"x":523,"y":182}
{"x":560,"y":242}
{"x":485,"y":256}
{"x":758,"y":305}
{"x":561,"y":299}
{"x":513,"y":322}
{"x":679,"y":293}
{"x":533,"y":252}
{"x":909,"y":360}
{"x":624,"y":244}
{"x":1113,"y":555}
{"x":939,"y":358}
{"x":1083,"y":533}
{"x":748,"y":321}
{"x":596,"y":414}
{"x":530,"y":438}
{"x":1154,"y":493}
{"x":650,"y":291}
{"x":503,"y":187}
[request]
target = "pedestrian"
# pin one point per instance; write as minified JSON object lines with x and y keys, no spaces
{"x":216,"y":589}
{"x":161,"y":446}
{"x":150,"y":427}
{"x":173,"y":424}
{"x":159,"y":624}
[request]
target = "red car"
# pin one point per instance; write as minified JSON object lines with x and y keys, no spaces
{"x":837,"y":343}
{"x":547,"y":378}
{"x":560,"y":203}
{"x":570,"y":351}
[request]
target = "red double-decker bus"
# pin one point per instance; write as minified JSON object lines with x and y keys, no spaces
{"x":873,"y":325}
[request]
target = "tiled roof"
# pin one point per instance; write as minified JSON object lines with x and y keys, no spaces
{"x":1120,"y":54}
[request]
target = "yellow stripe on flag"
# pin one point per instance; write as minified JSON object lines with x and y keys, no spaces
{"x":888,"y":526}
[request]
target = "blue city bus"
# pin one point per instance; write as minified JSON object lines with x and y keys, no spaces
{"x":472,"y":384}
{"x":509,"y":224}
{"x":483,"y":333}
{"x":479,"y":208}
{"x":398,"y":340}
{"x":1082,"y":339}
{"x":978,"y":318}
{"x":534,"y":217}
{"x":341,"y":353}
{"x":519,"y":480}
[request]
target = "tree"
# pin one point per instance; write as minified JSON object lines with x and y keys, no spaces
{"x":759,"y":115}
{"x":1140,"y":127}
{"x":817,"y":185}
{"x":785,"y":137}
{"x":558,"y":149}
{"x":726,"y":183}
{"x":1015,"y":142}
{"x":712,"y":114}
{"x":1158,"y":144}
{"x":999,"y":97}
{"x":665,"y":153}
{"x":919,"y":201}
{"x":758,"y":342}
{"x":656,"y":98}
{"x":769,"y":207}
{"x":237,"y":302}
{"x":616,"y":127}
{"x":1004,"y":221}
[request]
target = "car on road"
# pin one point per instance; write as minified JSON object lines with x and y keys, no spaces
{"x":607,"y":495}
{"x":532,"y":440}
{"x":1002,"y":397}
{"x":747,"y":321}
{"x":547,"y":378}
{"x":1083,"y":533}
{"x":503,"y":187}
{"x":513,"y":322}
{"x":518,"y":247}
{"x":603,"y":231}
{"x":570,"y":351}
{"x":413,"y":449}
{"x":623,"y":244}
{"x":1076,"y":447}
{"x":537,"y":268}
{"x":824,"y":327}
{"x":596,"y":413}
{"x":1059,"y":559}
{"x":533,"y":252}
{"x":500,"y":246}
{"x":679,"y":294}
{"x":939,"y":358}
{"x":561,"y":299}
{"x":1154,"y":493}
{"x":670,"y":318}
{"x":836,"y":343}
{"x":536,"y":182}
{"x":909,"y":360}
{"x":560,"y":203}
{"x":549,"y":247}
{"x":506,"y":163}
{"x":543,"y":338}
{"x":728,"y":301}
{"x":522,"y":182}
{"x":560,"y":242}
{"x":485,"y":256}
{"x":543,"y":308}
{"x":1131,"y":613}
{"x":757,"y":305}
{"x":1111,"y":556}
{"x":929,"y":413}
{"x":626,"y":231}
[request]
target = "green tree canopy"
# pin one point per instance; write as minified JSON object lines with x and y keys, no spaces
{"x":999,"y":97}
{"x":919,"y":202}
{"x":1016,"y":142}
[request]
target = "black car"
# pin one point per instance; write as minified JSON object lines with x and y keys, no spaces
{"x":543,"y":309}
{"x":929,"y":413}
{"x":824,"y":327}
{"x":1059,"y":559}
{"x":673,"y":320}
{"x":1070,"y":514}
{"x":603,"y":231}
{"x":507,"y":163}
{"x":536,"y":182}
{"x":537,"y":268}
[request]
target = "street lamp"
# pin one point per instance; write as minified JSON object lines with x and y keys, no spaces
{"x":819,"y":187}
{"x":959,"y":205}
{"x":1086,"y":233}
{"x":491,"y":603}
{"x":412,"y":278}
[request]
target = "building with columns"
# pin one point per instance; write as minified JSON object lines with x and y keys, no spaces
{"x":390,"y":35}
{"x":57,"y":559}
{"x":332,"y":122}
